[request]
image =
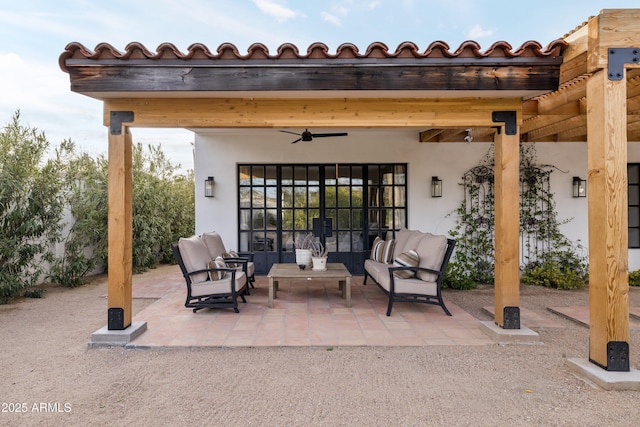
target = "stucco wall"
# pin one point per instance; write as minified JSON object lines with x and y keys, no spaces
{"x":219,"y":151}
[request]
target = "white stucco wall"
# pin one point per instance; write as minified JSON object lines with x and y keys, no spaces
{"x":217,"y":153}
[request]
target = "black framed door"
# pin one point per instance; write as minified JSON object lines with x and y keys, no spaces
{"x":356,"y":202}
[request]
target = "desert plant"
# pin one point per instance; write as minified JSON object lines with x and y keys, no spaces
{"x":305,"y":242}
{"x":318,"y":250}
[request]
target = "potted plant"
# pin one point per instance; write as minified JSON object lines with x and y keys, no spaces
{"x":303,"y":250}
{"x":319,"y":256}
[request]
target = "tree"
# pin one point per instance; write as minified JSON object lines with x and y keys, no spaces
{"x":30,"y":205}
{"x":163,"y":211}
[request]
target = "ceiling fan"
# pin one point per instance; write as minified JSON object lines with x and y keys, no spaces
{"x":308,"y":136}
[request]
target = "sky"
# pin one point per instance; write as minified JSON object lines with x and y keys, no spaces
{"x":33,"y":34}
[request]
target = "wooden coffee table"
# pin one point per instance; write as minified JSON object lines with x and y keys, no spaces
{"x":292,"y":272}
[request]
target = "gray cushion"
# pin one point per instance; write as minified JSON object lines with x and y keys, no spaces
{"x":195,"y":256}
{"x":213,"y":242}
{"x":413,"y":241}
{"x":431,"y":251}
{"x":223,"y":286}
{"x":401,"y":239}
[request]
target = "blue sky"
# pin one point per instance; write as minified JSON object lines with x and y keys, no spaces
{"x":33,"y":34}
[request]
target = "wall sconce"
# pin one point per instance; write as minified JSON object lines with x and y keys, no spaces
{"x":579,"y":187}
{"x":436,"y":187}
{"x":208,"y":187}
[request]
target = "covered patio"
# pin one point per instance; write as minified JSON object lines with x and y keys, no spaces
{"x":305,"y":314}
{"x":582,"y":87}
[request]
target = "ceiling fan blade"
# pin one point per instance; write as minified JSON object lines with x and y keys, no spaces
{"x":292,"y":133}
{"x":320,"y":135}
{"x":296,"y":140}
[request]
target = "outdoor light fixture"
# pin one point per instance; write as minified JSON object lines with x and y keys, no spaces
{"x":579,"y":187}
{"x":436,"y":187}
{"x":208,"y":187}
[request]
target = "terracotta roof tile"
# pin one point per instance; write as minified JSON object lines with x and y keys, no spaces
{"x":376,"y":50}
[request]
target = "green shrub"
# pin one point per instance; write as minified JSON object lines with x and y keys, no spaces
{"x":456,"y":277}
{"x":634,"y":278}
{"x":34,"y":293}
{"x":163,"y":211}
{"x":551,"y":274}
{"x":30,"y":206}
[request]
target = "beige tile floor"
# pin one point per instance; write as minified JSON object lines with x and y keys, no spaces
{"x":304,"y":314}
{"x":313,"y":314}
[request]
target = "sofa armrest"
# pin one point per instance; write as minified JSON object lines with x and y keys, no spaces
{"x":393,"y":268}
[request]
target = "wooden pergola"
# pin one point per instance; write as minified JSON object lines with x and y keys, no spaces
{"x":584,"y":87}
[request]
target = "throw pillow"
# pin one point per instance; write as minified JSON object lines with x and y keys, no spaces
{"x":232,"y":254}
{"x":382,"y":250}
{"x":406,"y":259}
{"x":374,"y":248}
{"x":217,"y":263}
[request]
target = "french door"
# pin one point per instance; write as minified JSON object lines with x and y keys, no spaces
{"x":344,"y":205}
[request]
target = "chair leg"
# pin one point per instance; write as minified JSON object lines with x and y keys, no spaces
{"x":366,"y":275}
{"x":390,"y":306}
{"x":444,"y":307}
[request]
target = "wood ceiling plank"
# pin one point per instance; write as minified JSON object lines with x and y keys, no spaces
{"x":573,"y":68}
{"x":570,"y":92}
{"x":560,"y":126}
{"x":576,"y":134}
{"x":430,"y":135}
{"x":540,"y":122}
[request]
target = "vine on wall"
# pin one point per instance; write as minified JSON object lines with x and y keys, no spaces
{"x":548,"y":258}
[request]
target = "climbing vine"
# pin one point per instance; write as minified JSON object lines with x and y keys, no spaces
{"x":548,"y":258}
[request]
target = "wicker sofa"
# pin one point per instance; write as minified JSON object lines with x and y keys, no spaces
{"x":411,"y":267}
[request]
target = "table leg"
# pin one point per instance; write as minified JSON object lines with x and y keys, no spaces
{"x":347,"y":290}
{"x":271,"y":292}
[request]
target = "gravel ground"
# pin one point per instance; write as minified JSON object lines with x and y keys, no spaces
{"x":50,"y":377}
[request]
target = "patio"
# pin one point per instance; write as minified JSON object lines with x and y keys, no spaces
{"x":304,"y":314}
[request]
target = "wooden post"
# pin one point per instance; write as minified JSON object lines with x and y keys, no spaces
{"x":608,"y":219}
{"x":120,"y":227}
{"x":507,"y":229}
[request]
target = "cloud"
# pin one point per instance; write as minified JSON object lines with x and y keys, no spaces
{"x":477,"y":32}
{"x":279,"y":12}
{"x":333,"y":19}
{"x":373,"y":4}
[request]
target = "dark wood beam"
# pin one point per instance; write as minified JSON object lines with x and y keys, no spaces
{"x":159,"y":79}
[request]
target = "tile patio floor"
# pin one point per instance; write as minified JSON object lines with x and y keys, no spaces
{"x":304,"y":314}
{"x":313,"y":314}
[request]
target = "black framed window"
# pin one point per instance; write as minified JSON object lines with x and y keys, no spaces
{"x":633,"y":177}
{"x":350,"y":204}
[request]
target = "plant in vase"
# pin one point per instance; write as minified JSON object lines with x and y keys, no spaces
{"x":303,"y":250}
{"x":319,"y":256}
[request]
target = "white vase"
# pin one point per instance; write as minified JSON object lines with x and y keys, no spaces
{"x":319,"y":264}
{"x":303,"y":257}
